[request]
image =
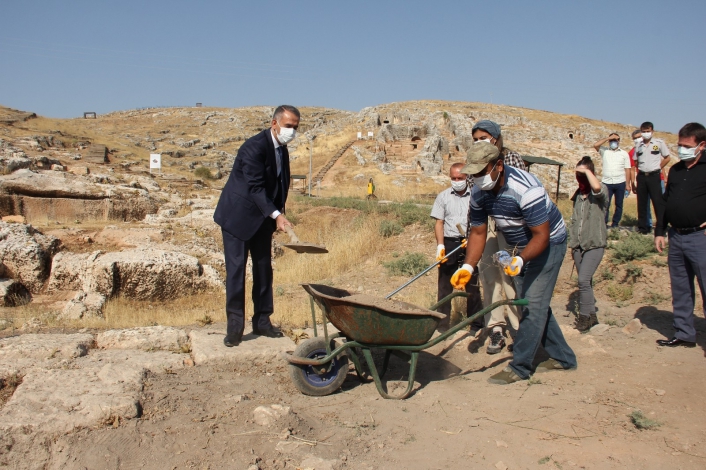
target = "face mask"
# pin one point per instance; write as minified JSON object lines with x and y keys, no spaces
{"x":582,"y":180}
{"x":286,"y":135}
{"x":458,"y":186}
{"x":482,"y":140}
{"x":637,"y":141}
{"x":646,"y":136}
{"x":486,"y":182}
{"x":613,"y":145}
{"x":686,"y":154}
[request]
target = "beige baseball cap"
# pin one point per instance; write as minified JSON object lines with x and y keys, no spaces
{"x":478,"y":157}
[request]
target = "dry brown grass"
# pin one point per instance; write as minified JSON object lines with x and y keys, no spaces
{"x":119,"y":312}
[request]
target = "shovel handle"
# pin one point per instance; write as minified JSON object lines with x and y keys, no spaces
{"x":291,"y":234}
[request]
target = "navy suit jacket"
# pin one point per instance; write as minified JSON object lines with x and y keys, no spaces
{"x":253,"y":190}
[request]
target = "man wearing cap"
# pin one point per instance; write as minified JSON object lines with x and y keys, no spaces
{"x":652,"y":155}
{"x":685,"y":210}
{"x":492,"y":277}
{"x":450,"y":209}
{"x":532,"y":224}
{"x":616,"y":174}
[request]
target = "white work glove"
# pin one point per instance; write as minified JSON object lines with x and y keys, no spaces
{"x":441,"y":253}
{"x":462,"y":276}
{"x":515,"y":266}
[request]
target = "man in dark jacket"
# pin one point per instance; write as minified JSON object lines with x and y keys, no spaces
{"x":250,"y":209}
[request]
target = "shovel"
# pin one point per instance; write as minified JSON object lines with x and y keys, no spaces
{"x":300,"y":247}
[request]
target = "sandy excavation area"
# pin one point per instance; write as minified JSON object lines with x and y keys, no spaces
{"x":237,"y":408}
{"x":111,"y":312}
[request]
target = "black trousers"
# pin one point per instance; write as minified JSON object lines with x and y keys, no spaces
{"x":236,"y":257}
{"x":648,"y":185}
{"x":447,"y":270}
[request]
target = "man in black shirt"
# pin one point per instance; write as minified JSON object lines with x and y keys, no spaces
{"x":685,"y":210}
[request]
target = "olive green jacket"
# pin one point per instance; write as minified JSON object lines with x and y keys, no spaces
{"x":587,"y":229}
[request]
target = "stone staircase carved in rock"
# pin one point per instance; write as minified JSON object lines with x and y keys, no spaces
{"x":322,"y":172}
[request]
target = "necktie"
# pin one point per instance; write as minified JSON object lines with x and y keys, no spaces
{"x":278,"y":154}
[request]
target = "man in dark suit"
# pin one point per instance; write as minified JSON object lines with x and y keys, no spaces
{"x":250,"y":209}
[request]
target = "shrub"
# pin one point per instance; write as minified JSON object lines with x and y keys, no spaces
{"x":654,"y":298}
{"x":620,"y":292}
{"x":607,"y":275}
{"x":659,"y":263}
{"x":389,"y":228}
{"x":632,"y":247}
{"x":632,"y":272}
{"x":643,"y":422}
{"x":614,"y":234}
{"x":203,"y":173}
{"x":408,"y":264}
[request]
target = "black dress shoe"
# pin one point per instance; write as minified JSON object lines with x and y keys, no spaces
{"x":270,"y":332}
{"x":232,"y":340}
{"x":674,"y":342}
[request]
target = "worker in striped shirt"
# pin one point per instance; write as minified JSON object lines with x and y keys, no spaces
{"x":534,"y":227}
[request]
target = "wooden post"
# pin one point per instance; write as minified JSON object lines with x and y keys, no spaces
{"x":558,"y":180}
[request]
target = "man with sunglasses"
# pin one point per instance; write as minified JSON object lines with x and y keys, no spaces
{"x":532,"y":224}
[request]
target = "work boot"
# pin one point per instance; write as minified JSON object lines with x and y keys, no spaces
{"x":584,"y":323}
{"x":505,"y":377}
{"x":549,"y":365}
{"x":497,"y":342}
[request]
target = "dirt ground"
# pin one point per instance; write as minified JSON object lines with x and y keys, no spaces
{"x":202,"y":417}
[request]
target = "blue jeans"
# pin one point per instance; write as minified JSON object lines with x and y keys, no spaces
{"x":538,"y":325}
{"x":619,"y":191}
{"x":686,"y":259}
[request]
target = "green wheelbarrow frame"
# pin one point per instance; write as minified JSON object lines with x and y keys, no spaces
{"x":408,"y":352}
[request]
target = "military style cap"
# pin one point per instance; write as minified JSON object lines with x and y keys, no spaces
{"x":478,"y":157}
{"x":490,"y":127}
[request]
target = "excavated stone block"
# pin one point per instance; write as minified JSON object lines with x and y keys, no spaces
{"x":150,"y":338}
{"x":207,"y":347}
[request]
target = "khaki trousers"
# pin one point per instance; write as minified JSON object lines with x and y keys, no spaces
{"x":496,"y":284}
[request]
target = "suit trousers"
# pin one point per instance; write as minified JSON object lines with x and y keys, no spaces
{"x":236,"y":256}
{"x":687,"y":260}
{"x":446,"y":271}
{"x":648,"y":186}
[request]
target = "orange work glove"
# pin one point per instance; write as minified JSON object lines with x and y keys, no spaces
{"x":462,"y":276}
{"x":441,"y":254}
{"x":515,"y":266}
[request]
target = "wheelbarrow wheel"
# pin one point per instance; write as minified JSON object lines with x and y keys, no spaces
{"x":318,"y":380}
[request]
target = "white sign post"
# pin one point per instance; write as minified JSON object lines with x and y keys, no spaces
{"x":370,"y":134}
{"x":156,"y":162}
{"x":360,"y":136}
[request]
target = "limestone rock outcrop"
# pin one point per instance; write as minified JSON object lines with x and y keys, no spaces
{"x":26,"y":255}
{"x":145,"y":274}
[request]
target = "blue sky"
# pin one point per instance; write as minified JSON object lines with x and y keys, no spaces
{"x":613,"y":60}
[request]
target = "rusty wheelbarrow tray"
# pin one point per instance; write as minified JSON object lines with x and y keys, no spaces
{"x":318,"y":366}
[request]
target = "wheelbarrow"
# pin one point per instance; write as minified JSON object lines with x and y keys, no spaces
{"x":319,"y":365}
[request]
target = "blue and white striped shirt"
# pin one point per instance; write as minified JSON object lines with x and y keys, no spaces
{"x":521,"y":203}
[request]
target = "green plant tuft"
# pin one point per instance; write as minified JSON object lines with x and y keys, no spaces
{"x":607,"y":275}
{"x":634,"y":246}
{"x":632,"y":272}
{"x":203,"y":173}
{"x":390,"y":228}
{"x":620,"y":292}
{"x":407,"y":264}
{"x":643,"y":422}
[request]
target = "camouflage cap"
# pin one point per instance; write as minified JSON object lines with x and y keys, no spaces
{"x":478,"y":157}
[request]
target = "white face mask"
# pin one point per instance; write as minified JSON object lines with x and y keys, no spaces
{"x":637,"y":141}
{"x":458,"y":186}
{"x":686,"y":154}
{"x":483,"y":140}
{"x":285,"y":134}
{"x":646,"y":136}
{"x":613,"y":145}
{"x":486,"y":182}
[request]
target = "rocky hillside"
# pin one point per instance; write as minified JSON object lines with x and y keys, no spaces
{"x":412,"y":146}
